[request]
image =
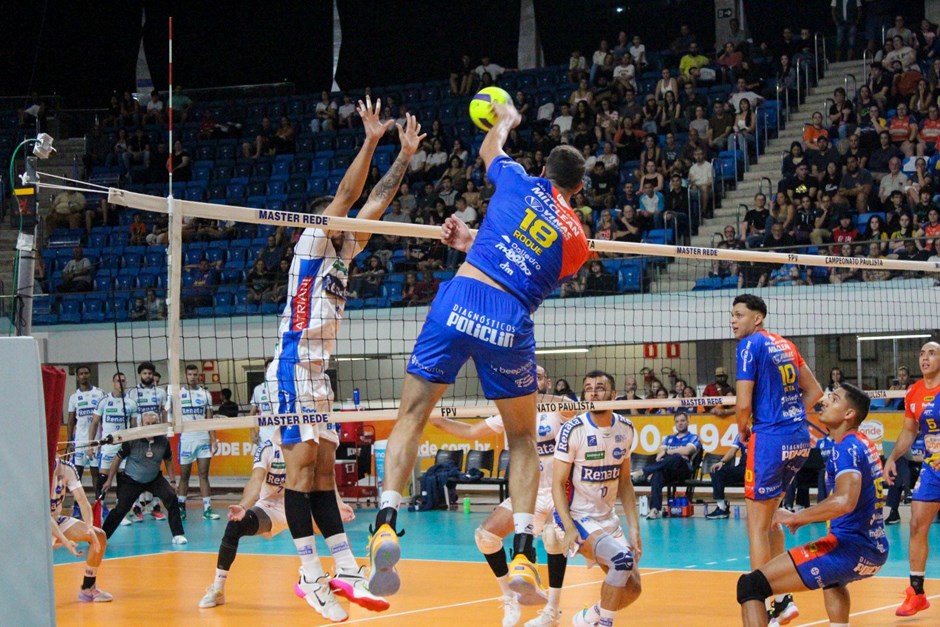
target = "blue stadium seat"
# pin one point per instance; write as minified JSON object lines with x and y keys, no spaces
{"x":269,"y":309}
{"x":70,"y":312}
{"x":102,"y":283}
{"x":280,"y":171}
{"x":196,"y":193}
{"x":232,"y":275}
{"x":707,"y":283}
{"x":93,"y":310}
{"x":192,"y":256}
{"x":630,"y":278}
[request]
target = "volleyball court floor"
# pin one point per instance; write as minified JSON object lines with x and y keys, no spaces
{"x":689,"y":568}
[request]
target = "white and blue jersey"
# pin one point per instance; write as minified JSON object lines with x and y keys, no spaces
{"x":116,"y":413}
{"x":195,"y":404}
{"x":148,"y":398}
{"x":83,"y":404}
{"x":262,"y":402}
{"x":678,"y":440}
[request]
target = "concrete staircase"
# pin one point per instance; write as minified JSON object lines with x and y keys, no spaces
{"x":66,"y":161}
{"x":681,"y":276}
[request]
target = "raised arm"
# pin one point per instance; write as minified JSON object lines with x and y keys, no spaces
{"x":350,"y":188}
{"x":508,"y":119}
{"x":464,"y":430}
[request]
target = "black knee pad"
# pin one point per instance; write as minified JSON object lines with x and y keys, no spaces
{"x":235,"y":529}
{"x":753,"y":587}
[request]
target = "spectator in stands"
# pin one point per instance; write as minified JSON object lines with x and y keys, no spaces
{"x":201,"y":289}
{"x":488,"y":67}
{"x":68,"y":209}
{"x":875,"y":232}
{"x":599,"y":282}
{"x":778,"y":238}
{"x":137,"y":231}
{"x":857,"y":150}
{"x":805,"y":219}
{"x":856,"y":185}
{"x":743,"y":92}
{"x":720,"y":127}
{"x":845,"y":233}
{"x":76,"y":275}
{"x":345,"y":114}
{"x":702,"y":178}
{"x":130,"y":111}
{"x":436,"y":161}
{"x":831,"y":179}
{"x":577,"y":66}
{"x":271,"y":255}
{"x":846,"y":14}
{"x":824,"y":221}
{"x":673,"y":463}
{"x":794,"y":157}
{"x":137,"y":152}
{"x":801,"y":184}
{"x":367,"y":283}
{"x":624,"y":75}
{"x":666,"y":83}
{"x":652,"y":112}
{"x":921,"y":179}
{"x":783,"y":211}
{"x":227,"y":407}
{"x":844,"y":274}
{"x":258,"y":282}
{"x":920,"y":103}
{"x":603,"y":184}
{"x":904,"y":132}
{"x":652,"y":206}
{"x":325,"y":114}
{"x":754,"y":226}
{"x":904,"y":231}
{"x":894,"y":181}
{"x":279,"y":283}
{"x":651,"y":174}
{"x":842,"y":120}
{"x":461,"y":76}
{"x":262,"y":142}
{"x":154,"y":114}
{"x":788,"y":275}
{"x":606,"y":122}
{"x":745,"y":128}
{"x":582,"y":93}
{"x":820,"y":158}
{"x":677,"y":205}
{"x":632,"y":226}
{"x":156,"y":307}
{"x":814,"y":131}
{"x":931,"y":229}
{"x":835,"y":380}
{"x":138,"y":310}
{"x":181,"y":163}
{"x":901,"y":31}
{"x":282,"y":142}
{"x":880,"y":159}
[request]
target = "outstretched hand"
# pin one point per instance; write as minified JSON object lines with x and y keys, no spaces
{"x":371,"y":121}
{"x":456,"y":234}
{"x":410,"y":136}
{"x":787,"y":519}
{"x":507,"y":111}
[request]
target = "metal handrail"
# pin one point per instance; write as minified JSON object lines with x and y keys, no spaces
{"x":806,"y":76}
{"x":816,"y":53}
{"x":845,"y":83}
{"x":866,"y":63}
{"x":760,"y":186}
{"x":798,"y":84}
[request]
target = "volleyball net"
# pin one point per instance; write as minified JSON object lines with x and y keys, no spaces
{"x":651,"y":315}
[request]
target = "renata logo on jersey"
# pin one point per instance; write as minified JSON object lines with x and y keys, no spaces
{"x":599,"y":474}
{"x":546,"y":448}
{"x":301,"y":304}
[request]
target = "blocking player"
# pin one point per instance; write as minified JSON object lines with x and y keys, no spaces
{"x":774,"y":390}
{"x":82,"y":404}
{"x":148,"y":397}
{"x":115,"y":412}
{"x":69,"y":531}
{"x":489,"y":536}
{"x":297,"y":377}
{"x":855,"y":547}
{"x":593,"y":456}
{"x":196,"y":446}
{"x":921,"y":415}
{"x":261,"y":512}
{"x":530,"y":242}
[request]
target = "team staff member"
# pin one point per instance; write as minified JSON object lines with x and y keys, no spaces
{"x":142,"y":473}
{"x":855,"y":547}
{"x":529,"y":243}
{"x":149,"y":397}
{"x":921,"y":415}
{"x":775,"y":387}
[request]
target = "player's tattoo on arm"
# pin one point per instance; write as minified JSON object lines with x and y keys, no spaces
{"x":387,"y":186}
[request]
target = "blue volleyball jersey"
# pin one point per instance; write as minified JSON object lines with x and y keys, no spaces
{"x":530,"y":241}
{"x":864,"y":524}
{"x":773,"y":363}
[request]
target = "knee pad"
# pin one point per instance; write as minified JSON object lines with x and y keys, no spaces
{"x":753,"y":587}
{"x":616,"y":557}
{"x":551,"y":539}
{"x":487,"y":541}
{"x":235,"y":529}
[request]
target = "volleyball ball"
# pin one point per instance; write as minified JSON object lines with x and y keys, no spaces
{"x":481,"y":109}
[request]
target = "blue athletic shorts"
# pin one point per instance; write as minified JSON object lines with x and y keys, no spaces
{"x":927,"y":487}
{"x":472,"y":320}
{"x":830,"y":562}
{"x":772,"y":462}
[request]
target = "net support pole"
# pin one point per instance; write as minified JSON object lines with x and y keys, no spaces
{"x":858,"y":360}
{"x":174,"y":259}
{"x":23,"y":304}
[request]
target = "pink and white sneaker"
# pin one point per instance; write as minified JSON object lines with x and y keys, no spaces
{"x":94,"y":595}
{"x":355,"y":587}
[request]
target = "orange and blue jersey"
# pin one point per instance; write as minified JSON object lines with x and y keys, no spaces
{"x":856,"y":546}
{"x":922,"y":405}
{"x":531,"y":241}
{"x":773,"y":363}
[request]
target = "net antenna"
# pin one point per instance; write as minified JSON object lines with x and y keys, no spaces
{"x":174,"y":261}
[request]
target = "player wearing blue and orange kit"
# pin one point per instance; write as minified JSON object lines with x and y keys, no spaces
{"x":921,"y":415}
{"x":774,"y":387}
{"x":528,"y":244}
{"x":855,"y":547}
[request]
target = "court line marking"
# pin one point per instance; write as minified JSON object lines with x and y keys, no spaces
{"x":863,"y":612}
{"x":465,"y":603}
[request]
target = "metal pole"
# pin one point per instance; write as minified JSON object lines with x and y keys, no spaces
{"x":894,"y":350}
{"x":23,"y":302}
{"x":858,"y":359}
{"x":798,"y":84}
{"x":816,"y":53}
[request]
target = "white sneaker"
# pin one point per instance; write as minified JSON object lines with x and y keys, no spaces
{"x":511,"y":610}
{"x":653,"y":514}
{"x":580,"y":619}
{"x":548,"y":617}
{"x":353,"y":586}
{"x":180,"y":540}
{"x":213,"y":597}
{"x":318,"y":595}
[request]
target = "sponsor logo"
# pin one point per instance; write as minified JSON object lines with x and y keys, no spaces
{"x":306,"y":417}
{"x":793,"y":451}
{"x":544,"y":430}
{"x":599,"y":474}
{"x":417,"y":364}
{"x":692,"y":251}
{"x":619,"y":438}
{"x":854,"y":261}
{"x":516,"y":256}
{"x":305,"y":550}
{"x":546,"y":448}
{"x":592,"y":440}
{"x":277,"y":480}
{"x":618,"y":453}
{"x":480,"y":331}
{"x":564,"y":436}
{"x":594,"y":455}
{"x":524,"y":382}
{"x":294,"y":218}
{"x":505,"y":267}
{"x":301,"y":304}
{"x":872,"y":429}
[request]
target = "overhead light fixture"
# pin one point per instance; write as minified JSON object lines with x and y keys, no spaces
{"x":561,"y":351}
{"x":912,"y":336}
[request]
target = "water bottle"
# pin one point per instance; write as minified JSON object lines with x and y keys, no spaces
{"x":356,"y":397}
{"x":737,"y":512}
{"x":644,"y":505}
{"x":466,"y":505}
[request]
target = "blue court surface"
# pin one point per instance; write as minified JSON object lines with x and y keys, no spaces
{"x":674,"y":543}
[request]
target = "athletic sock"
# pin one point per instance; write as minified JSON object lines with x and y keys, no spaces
{"x":723,"y":504}
{"x":606,"y":618}
{"x":206,"y":503}
{"x":504,"y":585}
{"x":524,"y":523}
{"x":309,"y":560}
{"x":497,"y":562}
{"x":390,"y":498}
{"x":554,"y":597}
{"x":593,"y":613}
{"x":342,"y":553}
{"x":91,"y":575}
{"x":220,"y":577}
{"x":917,"y":582}
{"x":182,"y":501}
{"x":297,"y":512}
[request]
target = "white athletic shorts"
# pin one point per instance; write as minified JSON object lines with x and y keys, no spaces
{"x":588,"y":524}
{"x":313,"y":393}
{"x":275,"y":513}
{"x":544,"y":507}
{"x":193,"y":449}
{"x":66,"y":523}
{"x":106,"y":455}
{"x":82,"y":458}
